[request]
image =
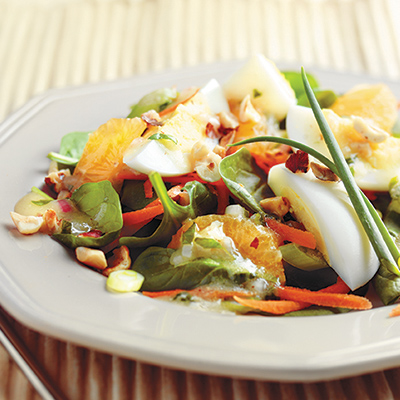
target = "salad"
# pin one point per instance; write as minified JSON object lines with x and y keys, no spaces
{"x":262,"y":194}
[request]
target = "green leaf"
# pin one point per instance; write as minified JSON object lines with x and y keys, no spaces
{"x":201,"y":201}
{"x":387,"y":283}
{"x":71,"y":148}
{"x":163,"y":136}
{"x":208,"y":243}
{"x":243,"y":179}
{"x":100,"y":206}
{"x":296,"y":82}
{"x":325,"y":98}
{"x":133,"y":195}
{"x":154,"y":264}
{"x":157,"y":101}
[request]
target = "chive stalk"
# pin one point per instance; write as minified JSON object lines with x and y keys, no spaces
{"x":381,"y":246}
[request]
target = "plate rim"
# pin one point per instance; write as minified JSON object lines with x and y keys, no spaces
{"x":38,"y":319}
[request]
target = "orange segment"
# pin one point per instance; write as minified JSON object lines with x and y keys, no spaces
{"x":254,"y":242}
{"x":374,"y":102}
{"x":103,"y":153}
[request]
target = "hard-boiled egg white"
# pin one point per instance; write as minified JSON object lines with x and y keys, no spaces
{"x":325,"y":210}
{"x":172,"y":156}
{"x":215,"y":97}
{"x":261,"y":79}
{"x":373,"y":164}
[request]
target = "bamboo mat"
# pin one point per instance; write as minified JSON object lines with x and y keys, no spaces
{"x":59,"y":43}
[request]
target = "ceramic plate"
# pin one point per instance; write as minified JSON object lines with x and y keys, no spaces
{"x":45,"y":289}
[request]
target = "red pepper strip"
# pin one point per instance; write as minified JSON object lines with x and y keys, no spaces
{"x":148,"y":189}
{"x":338,"y":287}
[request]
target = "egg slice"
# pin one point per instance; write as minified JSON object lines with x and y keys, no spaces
{"x":215,"y":97}
{"x":171,"y":153}
{"x":325,"y":210}
{"x":373,"y":156}
{"x":269,"y":90}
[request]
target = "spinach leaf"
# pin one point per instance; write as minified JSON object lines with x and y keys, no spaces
{"x":296,"y":81}
{"x":387,"y":283}
{"x":71,"y":148}
{"x":154,"y":264}
{"x":133,"y":196}
{"x":201,"y":201}
{"x":160,"y":274}
{"x":99,"y":204}
{"x":243,"y":179}
{"x":157,"y":100}
{"x":325,"y":98}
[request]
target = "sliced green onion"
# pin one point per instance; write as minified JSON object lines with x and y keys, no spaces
{"x":36,"y":190}
{"x":62,"y":159}
{"x":124,"y":281}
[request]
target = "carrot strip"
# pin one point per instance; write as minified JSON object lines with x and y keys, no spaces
{"x":145,"y":214}
{"x":152,"y":210}
{"x":163,"y":293}
{"x":302,"y":238}
{"x":205,"y":293}
{"x":277,"y":307}
{"x":323,"y":299}
{"x":148,"y":189}
{"x":395,"y":312}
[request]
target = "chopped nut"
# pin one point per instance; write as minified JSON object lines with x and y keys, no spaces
{"x":323,"y":173}
{"x":56,"y":179}
{"x":370,"y":132}
{"x":208,"y":167}
{"x":121,"y":260}
{"x":279,"y":206}
{"x":26,"y":224}
{"x":228,"y":120}
{"x":152,"y":118}
{"x":51,"y":224}
{"x":92,"y":257}
{"x":247,"y":111}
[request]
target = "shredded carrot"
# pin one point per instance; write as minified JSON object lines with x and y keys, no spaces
{"x":145,"y":214}
{"x":163,"y":293}
{"x":206,"y":293}
{"x":286,"y":232}
{"x":148,"y":189}
{"x":395,"y":312}
{"x":326,"y":299}
{"x":174,"y":106}
{"x":152,"y":210}
{"x":277,"y":307}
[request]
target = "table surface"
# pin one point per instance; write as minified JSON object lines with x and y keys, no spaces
{"x":53,"y":44}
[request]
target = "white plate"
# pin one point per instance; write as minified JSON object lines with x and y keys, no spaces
{"x":44,"y":288}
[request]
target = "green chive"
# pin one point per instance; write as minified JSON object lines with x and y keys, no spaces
{"x":381,"y":245}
